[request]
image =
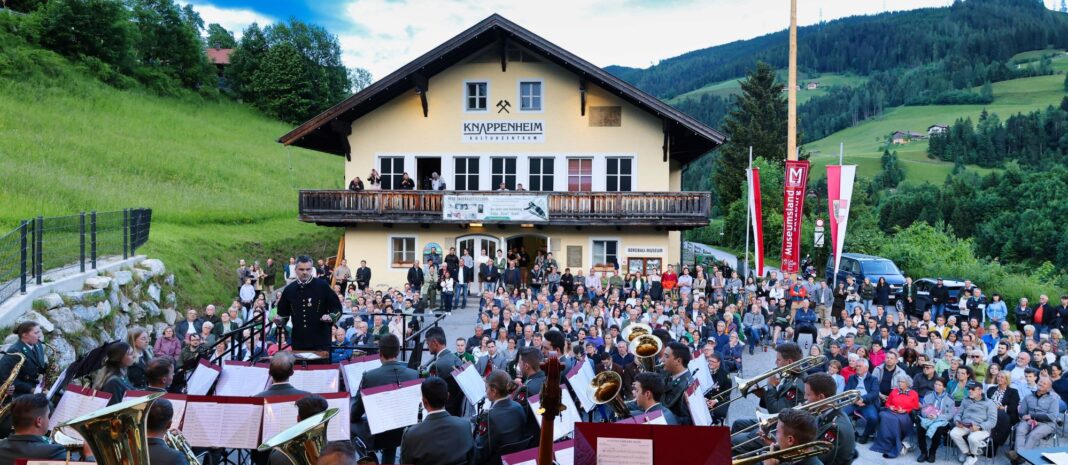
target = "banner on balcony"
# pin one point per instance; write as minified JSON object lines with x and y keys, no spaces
{"x":839,"y":194}
{"x":526,"y":208}
{"x":792,"y":212}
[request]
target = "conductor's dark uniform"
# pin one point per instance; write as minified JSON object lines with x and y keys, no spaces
{"x":306,"y":303}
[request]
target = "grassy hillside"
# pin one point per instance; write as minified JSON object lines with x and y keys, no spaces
{"x":219,"y":185}
{"x":733,"y":86}
{"x":864,"y":142}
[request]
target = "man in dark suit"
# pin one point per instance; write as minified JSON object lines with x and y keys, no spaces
{"x":505,"y":423}
{"x":440,"y":438}
{"x":415,"y":276}
{"x":363,"y":276}
{"x":160,"y":374}
{"x":648,"y":390}
{"x":159,"y":422}
{"x":442,"y":364}
{"x":493,"y":360}
{"x":306,"y":408}
{"x":281,"y":370}
{"x":555,"y":341}
{"x":391,"y":372}
{"x":30,"y":419}
{"x":676,"y":357}
{"x":530,"y":369}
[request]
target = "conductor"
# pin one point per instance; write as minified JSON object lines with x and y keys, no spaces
{"x":313,"y":306}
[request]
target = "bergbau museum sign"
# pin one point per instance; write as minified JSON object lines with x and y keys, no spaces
{"x":503,"y":131}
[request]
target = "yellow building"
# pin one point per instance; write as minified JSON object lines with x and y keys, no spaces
{"x":599,"y":161}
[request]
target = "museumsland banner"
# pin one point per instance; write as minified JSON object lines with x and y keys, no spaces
{"x":496,"y":207}
{"x":839,"y":193}
{"x":792,"y":213}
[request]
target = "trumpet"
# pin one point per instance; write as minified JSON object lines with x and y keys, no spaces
{"x":646,"y":348}
{"x":607,"y":388}
{"x":790,"y":454}
{"x":746,"y":386}
{"x":766,"y":421}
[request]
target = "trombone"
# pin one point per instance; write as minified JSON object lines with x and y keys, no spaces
{"x":790,"y":454}
{"x":646,"y":348}
{"x":606,"y":388}
{"x":766,"y":421}
{"x":745,"y":386}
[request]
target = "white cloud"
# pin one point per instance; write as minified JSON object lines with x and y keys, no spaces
{"x":389,"y":33}
{"x":234,"y":20}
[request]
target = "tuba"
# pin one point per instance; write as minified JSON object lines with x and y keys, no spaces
{"x":117,"y":435}
{"x":302,"y":442}
{"x":606,"y":388}
{"x":646,"y":348}
{"x":634,"y":330}
{"x":6,"y":409}
{"x":788,"y":455}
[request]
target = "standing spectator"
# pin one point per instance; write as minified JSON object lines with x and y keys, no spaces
{"x":247,"y":294}
{"x":939,"y":299}
{"x":448,"y":287}
{"x":908,"y":296}
{"x":243,"y":273}
{"x":972,"y":424}
{"x":342,"y":274}
{"x":1044,"y":315}
{"x":882,"y":293}
{"x":167,"y":345}
{"x":976,"y":305}
{"x":466,"y":277}
{"x":363,"y":276}
{"x":996,"y":311}
{"x":322,"y":269}
{"x":512,"y":278}
{"x":356,"y":185}
{"x":431,"y":284}
{"x":668,"y":281}
{"x":823,"y":298}
{"x":867,"y":295}
{"x":1062,"y":312}
{"x":270,"y":272}
{"x":1023,"y":313}
{"x":291,"y":270}
{"x":415,"y":276}
{"x":406,"y":183}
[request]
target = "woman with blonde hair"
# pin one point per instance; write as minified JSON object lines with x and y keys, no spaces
{"x":137,"y":337}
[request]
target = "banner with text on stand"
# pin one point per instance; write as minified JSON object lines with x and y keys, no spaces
{"x":839,"y":196}
{"x":496,"y":207}
{"x":793,"y":212}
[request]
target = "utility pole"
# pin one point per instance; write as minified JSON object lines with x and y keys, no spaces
{"x":791,"y":124}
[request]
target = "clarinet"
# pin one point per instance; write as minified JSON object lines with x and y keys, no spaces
{"x":480,"y":421}
{"x":419,"y":416}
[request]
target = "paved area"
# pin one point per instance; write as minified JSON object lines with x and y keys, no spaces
{"x":462,"y":321}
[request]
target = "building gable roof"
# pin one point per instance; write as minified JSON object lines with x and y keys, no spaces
{"x":219,"y":56}
{"x":328,"y":132}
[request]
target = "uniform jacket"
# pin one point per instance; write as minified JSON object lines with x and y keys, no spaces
{"x":281,"y":389}
{"x":442,"y":366}
{"x":159,"y":453}
{"x":505,"y":423}
{"x":675,"y":397}
{"x":31,"y":370}
{"x":788,"y":394}
{"x":306,"y":304}
{"x":26,"y":446}
{"x":392,"y":372}
{"x":841,"y":435}
{"x":440,"y":439}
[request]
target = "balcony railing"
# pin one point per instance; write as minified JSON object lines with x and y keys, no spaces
{"x":671,"y":210}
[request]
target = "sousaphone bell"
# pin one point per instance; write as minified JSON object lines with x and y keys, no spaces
{"x":646,"y":348}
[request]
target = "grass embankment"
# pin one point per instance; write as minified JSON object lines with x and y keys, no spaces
{"x":864,"y":142}
{"x":219,"y":185}
{"x":733,"y":86}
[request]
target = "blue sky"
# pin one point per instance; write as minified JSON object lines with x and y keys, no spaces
{"x":382,"y":35}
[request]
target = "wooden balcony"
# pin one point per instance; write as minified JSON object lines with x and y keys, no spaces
{"x":668,"y":210}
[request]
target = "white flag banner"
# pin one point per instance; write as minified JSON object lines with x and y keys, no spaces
{"x":839,"y":196}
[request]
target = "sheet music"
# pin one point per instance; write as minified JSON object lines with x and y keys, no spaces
{"x":394,"y":408}
{"x":695,"y":400}
{"x":277,"y":416}
{"x":471,"y":383}
{"x":699,"y":370}
{"x":1058,"y":458}
{"x":620,"y":451}
{"x":239,"y":432}
{"x":74,"y":404}
{"x":565,"y":422}
{"x":55,"y":385}
{"x":580,"y":383}
{"x":339,"y":428}
{"x":241,"y":381}
{"x":354,"y":372}
{"x":204,"y":425}
{"x":203,"y":377}
{"x":317,"y":381}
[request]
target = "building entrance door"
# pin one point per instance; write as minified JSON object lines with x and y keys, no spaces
{"x":476,"y":244}
{"x":424,"y":168}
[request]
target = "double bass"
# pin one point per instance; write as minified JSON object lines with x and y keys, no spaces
{"x":551,"y":407}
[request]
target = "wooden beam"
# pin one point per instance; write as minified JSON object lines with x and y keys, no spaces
{"x":667,"y":139}
{"x":582,"y":96}
{"x":422,"y":85}
{"x":342,"y":129}
{"x":502,"y":49}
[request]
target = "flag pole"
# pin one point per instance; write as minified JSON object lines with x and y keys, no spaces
{"x":748,"y":204}
{"x":791,"y":124}
{"x":841,"y":153}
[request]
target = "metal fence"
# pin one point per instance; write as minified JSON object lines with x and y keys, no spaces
{"x":67,"y":242}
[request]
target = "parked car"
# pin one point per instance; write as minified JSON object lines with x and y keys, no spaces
{"x":861,"y":266}
{"x":923,"y":295}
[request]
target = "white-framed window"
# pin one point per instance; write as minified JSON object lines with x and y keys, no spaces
{"x":466,"y":173}
{"x":605,"y":252}
{"x":620,"y":172}
{"x":579,"y":174}
{"x":476,"y":95}
{"x":530,"y":95}
{"x":541,"y":174}
{"x":402,"y":251}
{"x":392,"y":171}
{"x":502,"y":169}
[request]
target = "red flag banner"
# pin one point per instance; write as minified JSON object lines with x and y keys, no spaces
{"x":758,"y":220}
{"x":792,"y":212}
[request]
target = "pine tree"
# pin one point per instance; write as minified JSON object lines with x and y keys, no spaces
{"x":758,"y":119}
{"x":219,"y":37}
